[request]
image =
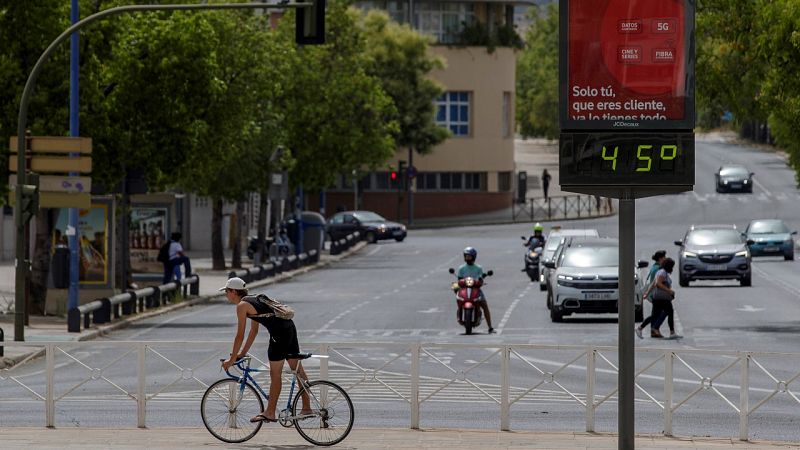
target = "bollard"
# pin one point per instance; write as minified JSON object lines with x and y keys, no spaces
{"x":74,"y":320}
{"x":103,"y":315}
{"x":195,"y":290}
{"x":2,"y":338}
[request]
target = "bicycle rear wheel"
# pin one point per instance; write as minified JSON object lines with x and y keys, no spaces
{"x":331,"y":417}
{"x":227,"y":407}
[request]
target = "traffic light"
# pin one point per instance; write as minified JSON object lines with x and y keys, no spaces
{"x":393,"y":175}
{"x":310,"y":24}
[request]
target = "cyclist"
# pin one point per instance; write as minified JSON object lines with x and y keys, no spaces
{"x":538,"y":229}
{"x":282,"y":343}
{"x":472,"y":270}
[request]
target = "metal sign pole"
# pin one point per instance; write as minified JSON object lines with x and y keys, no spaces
{"x":627,"y":255}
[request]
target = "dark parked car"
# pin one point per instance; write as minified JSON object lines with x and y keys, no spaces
{"x":734,"y":178}
{"x":372,"y":226}
{"x":770,"y":237}
{"x":714,"y":252}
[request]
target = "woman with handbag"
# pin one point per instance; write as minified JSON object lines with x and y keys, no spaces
{"x":662,"y":301}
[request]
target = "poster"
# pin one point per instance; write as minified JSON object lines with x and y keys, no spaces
{"x":93,"y":241}
{"x":148,"y":232}
{"x":627,"y":62}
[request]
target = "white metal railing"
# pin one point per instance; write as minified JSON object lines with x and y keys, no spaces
{"x":416,"y":374}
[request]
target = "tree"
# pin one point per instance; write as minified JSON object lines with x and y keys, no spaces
{"x":537,"y":76}
{"x":337,"y":115}
{"x":26,"y":29}
{"x":399,"y":59}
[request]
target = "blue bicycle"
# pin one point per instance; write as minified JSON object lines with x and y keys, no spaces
{"x":228,"y":405}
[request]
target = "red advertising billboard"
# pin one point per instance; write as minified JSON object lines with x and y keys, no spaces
{"x":627,"y":64}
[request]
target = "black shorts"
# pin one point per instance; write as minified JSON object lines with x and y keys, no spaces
{"x":283,"y":343}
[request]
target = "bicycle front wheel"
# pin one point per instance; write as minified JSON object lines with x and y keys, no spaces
{"x":329,"y":417}
{"x":227,"y":407}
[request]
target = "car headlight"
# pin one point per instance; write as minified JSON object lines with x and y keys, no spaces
{"x":724,"y":181}
{"x":565,"y":277}
{"x":744,"y":253}
{"x":403,"y":227}
{"x":689,"y":255}
{"x":746,"y":181}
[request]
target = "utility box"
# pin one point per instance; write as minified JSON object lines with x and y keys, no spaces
{"x":313,"y":231}
{"x":522,"y":186}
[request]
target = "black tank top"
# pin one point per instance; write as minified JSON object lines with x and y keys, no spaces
{"x":274,"y":325}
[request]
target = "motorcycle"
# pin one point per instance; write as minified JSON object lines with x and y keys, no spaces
{"x":533,"y":251}
{"x":468,"y":291}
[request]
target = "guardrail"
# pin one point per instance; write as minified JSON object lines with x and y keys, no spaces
{"x":340,"y":245}
{"x":561,"y":207}
{"x":276,"y":266}
{"x":101,"y":310}
{"x":680,"y":385}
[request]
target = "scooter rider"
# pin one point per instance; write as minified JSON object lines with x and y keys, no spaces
{"x":472,"y":270}
{"x":537,"y":235}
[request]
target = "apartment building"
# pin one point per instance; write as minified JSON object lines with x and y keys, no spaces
{"x":472,"y":171}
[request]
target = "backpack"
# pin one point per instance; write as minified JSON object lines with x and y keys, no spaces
{"x":279,"y":310}
{"x":163,"y":253}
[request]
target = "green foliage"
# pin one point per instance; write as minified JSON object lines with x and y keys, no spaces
{"x":748,"y":60}
{"x":398,"y":57}
{"x":478,"y":34}
{"x":537,"y":76}
{"x":338,"y":117}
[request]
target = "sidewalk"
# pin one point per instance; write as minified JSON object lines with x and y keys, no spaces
{"x":53,"y":328}
{"x":274,"y":437}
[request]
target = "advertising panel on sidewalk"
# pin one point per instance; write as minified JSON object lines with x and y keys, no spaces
{"x":94,"y":241}
{"x":627,"y":65}
{"x":149,"y":230}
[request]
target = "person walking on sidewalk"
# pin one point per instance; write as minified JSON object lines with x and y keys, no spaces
{"x":545,"y":182}
{"x":282,"y":343}
{"x":656,"y":312}
{"x":175,"y":259}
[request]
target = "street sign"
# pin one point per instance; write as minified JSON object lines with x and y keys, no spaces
{"x":54,"y":164}
{"x":60,"y":183}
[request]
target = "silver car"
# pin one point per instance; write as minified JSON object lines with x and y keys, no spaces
{"x":584,"y":278}
{"x":554,"y":238}
{"x":714,"y":252}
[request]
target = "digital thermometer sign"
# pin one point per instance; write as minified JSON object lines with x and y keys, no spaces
{"x":626,"y":96}
{"x":647,"y":159}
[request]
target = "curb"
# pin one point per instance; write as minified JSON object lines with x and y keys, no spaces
{"x":7,"y":362}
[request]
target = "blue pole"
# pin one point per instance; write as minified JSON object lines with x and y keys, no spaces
{"x":72,"y":299}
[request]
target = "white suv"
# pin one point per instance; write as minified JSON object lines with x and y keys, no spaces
{"x":553,"y":239}
{"x":584,"y":278}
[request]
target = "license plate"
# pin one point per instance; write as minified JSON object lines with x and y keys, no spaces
{"x":717,"y":267}
{"x":770,"y":249}
{"x":597,"y":296}
{"x":397,"y":233}
{"x":736,"y":185}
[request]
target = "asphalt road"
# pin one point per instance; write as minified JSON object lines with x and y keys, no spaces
{"x":397,"y":294}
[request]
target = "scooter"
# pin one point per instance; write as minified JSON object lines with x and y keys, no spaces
{"x":468,"y":291}
{"x":532,"y":254}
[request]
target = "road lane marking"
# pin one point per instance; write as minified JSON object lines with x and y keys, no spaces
{"x":375,"y":250}
{"x":510,"y":310}
{"x":749,"y":308}
{"x":761,"y":186}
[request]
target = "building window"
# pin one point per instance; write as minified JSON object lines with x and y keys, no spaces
{"x":452,"y":112}
{"x":504,"y":181}
{"x":506,"y":115}
{"x":443,"y":20}
{"x":201,"y":202}
{"x":451,"y":181}
{"x":398,"y":11}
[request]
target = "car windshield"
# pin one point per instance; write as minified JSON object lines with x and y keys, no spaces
{"x":768,"y":227}
{"x":714,"y":237}
{"x":591,"y":257}
{"x":369,"y":217}
{"x":733,"y":172}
